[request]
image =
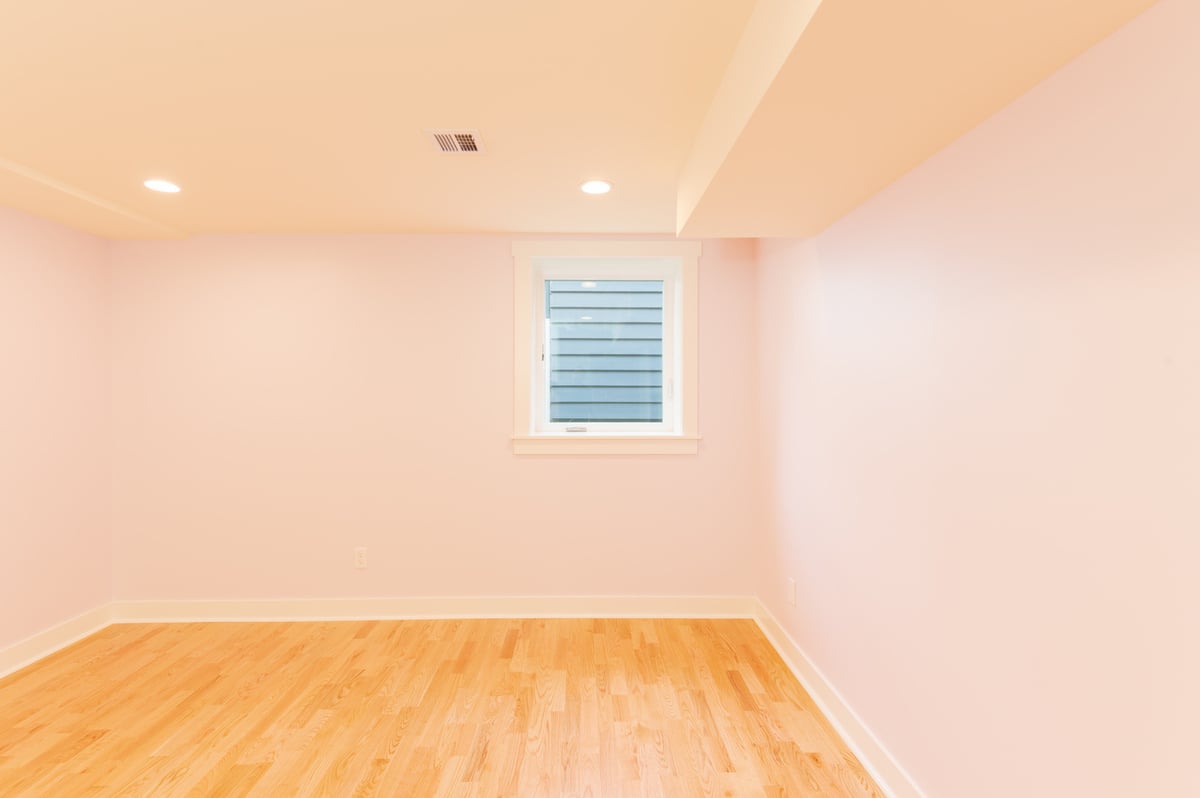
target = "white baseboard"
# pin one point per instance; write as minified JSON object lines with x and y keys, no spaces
{"x":891,"y":777}
{"x":45,"y":643}
{"x":437,"y":607}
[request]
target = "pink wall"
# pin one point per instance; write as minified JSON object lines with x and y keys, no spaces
{"x":282,"y":399}
{"x":53,"y":426}
{"x":985,"y":392}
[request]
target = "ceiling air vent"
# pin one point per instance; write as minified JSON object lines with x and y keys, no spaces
{"x":466,"y":141}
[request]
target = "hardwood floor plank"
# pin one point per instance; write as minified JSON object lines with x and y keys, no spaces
{"x":588,"y":708}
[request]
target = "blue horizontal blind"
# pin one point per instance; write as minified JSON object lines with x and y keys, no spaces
{"x":605,"y":350}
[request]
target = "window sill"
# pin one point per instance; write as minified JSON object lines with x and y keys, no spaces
{"x":608,"y":444}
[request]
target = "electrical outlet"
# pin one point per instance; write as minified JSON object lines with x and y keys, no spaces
{"x":360,"y":557}
{"x":791,"y":591}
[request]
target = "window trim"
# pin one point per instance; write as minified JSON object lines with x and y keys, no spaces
{"x":684,"y":438}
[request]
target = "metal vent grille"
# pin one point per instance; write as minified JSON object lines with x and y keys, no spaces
{"x":464,"y":141}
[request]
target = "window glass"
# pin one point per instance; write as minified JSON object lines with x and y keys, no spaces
{"x":604,"y":344}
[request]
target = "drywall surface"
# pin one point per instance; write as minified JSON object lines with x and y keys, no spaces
{"x":281,"y":400}
{"x":54,"y":531}
{"x":982,"y":398}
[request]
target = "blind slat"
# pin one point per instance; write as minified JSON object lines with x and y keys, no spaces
{"x":600,"y":379}
{"x":605,"y":315}
{"x":608,"y":394}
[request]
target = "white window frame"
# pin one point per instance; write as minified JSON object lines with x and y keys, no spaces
{"x":676,"y":263}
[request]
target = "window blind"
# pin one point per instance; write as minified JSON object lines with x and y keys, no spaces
{"x":605,"y":350}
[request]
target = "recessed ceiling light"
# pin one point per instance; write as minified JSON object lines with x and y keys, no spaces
{"x":165,"y":186}
{"x":587,"y":284}
{"x":596,"y":187}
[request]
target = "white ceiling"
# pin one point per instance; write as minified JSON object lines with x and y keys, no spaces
{"x":868,"y":90}
{"x":710,"y":117}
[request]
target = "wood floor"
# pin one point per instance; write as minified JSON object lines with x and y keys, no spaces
{"x":479,"y":708}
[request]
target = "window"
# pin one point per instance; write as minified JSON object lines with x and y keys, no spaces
{"x":605,"y":339}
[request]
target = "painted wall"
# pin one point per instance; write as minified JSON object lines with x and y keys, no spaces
{"x":984,"y":393}
{"x":280,"y":400}
{"x":54,"y":528}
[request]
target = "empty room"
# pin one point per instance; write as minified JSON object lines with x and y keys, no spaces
{"x":557,"y":399}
